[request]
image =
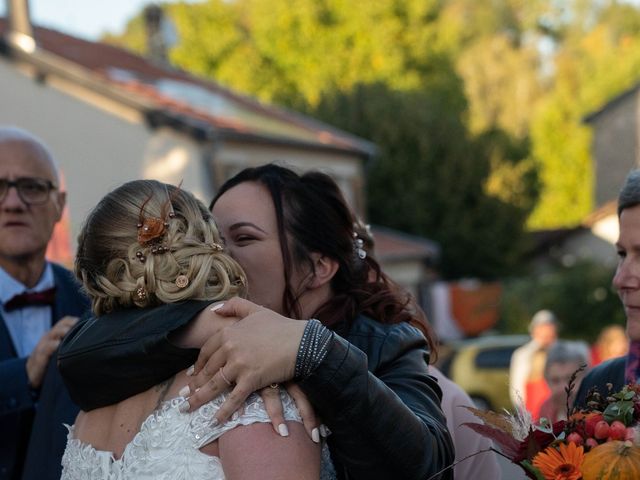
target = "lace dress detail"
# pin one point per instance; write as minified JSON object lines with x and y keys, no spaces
{"x":167,"y":445}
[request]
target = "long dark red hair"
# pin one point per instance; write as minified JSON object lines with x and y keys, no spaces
{"x":312,"y":212}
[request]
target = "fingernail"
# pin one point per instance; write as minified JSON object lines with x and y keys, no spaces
{"x":324,"y":431}
{"x":214,"y":422}
{"x":235,"y":416}
{"x":283,"y":430}
{"x":184,"y":407}
{"x":315,"y":435}
{"x":184,"y":391}
{"x":190,"y":370}
{"x":217,"y":307}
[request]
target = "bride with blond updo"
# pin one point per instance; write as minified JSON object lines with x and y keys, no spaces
{"x":147,"y":244}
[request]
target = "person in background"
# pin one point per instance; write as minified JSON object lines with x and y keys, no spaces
{"x":615,"y":373}
{"x":564,"y":359}
{"x":526,"y":379}
{"x":39,"y":302}
{"x":612,"y":342}
{"x":465,"y":440}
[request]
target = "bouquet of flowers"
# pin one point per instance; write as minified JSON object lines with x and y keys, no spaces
{"x":599,"y":442}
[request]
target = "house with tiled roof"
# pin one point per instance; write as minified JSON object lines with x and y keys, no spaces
{"x":615,"y":145}
{"x":110,"y":116}
{"x":593,"y":240}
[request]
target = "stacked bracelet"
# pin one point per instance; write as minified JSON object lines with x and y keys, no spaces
{"x":313,"y":348}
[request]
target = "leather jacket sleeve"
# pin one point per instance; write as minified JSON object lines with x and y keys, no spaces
{"x":107,"y":359}
{"x":387,"y":422}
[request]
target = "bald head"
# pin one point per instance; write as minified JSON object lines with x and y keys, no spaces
{"x":26,"y":225}
{"x":21,"y":140}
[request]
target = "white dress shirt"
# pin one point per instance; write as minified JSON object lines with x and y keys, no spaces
{"x":26,"y":325}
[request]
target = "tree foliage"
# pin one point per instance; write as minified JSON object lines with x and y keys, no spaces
{"x":476,"y":107}
{"x":581,"y":296}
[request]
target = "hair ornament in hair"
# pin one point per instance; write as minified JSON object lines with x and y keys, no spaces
{"x":358,"y":244}
{"x":182,"y":281}
{"x":141,"y":294}
{"x":152,"y":229}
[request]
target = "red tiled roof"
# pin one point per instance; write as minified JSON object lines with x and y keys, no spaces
{"x":141,"y":78}
{"x":394,"y":245}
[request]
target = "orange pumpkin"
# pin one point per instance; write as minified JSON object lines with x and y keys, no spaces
{"x":615,"y":460}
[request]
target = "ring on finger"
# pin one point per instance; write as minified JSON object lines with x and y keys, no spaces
{"x":224,"y":377}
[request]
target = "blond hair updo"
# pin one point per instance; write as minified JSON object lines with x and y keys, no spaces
{"x":117,"y":271}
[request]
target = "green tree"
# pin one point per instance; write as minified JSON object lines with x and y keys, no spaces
{"x":385,"y":70}
{"x":581,"y":296}
{"x":431,"y":175}
{"x":597,"y":57}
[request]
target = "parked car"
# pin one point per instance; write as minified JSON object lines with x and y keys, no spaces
{"x":481,"y":367}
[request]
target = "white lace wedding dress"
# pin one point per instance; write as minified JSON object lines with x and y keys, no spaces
{"x":167,"y":445}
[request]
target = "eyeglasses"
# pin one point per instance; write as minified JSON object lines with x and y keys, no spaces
{"x":32,"y":191}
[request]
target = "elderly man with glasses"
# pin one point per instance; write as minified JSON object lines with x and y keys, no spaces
{"x":39,"y":301}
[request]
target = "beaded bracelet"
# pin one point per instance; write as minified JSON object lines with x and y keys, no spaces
{"x":314,"y":346}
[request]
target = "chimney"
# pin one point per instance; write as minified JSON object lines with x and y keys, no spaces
{"x":160,"y":34}
{"x":20,"y":30}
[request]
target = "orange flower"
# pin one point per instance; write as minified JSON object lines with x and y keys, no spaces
{"x":560,"y":464}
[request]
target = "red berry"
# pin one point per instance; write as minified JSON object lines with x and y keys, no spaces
{"x":590,"y":424}
{"x":601,"y":430}
{"x":617,"y":431}
{"x":591,"y":442}
{"x":630,"y":434}
{"x":575,"y":438}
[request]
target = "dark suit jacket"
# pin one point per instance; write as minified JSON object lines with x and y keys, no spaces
{"x":611,"y":371}
{"x":17,"y":400}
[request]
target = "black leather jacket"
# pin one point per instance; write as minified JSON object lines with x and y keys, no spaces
{"x":372,"y":390}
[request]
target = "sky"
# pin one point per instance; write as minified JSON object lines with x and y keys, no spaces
{"x":87,"y":19}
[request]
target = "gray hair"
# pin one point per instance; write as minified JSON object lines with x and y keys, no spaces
{"x":566,"y":351}
{"x":630,"y":193}
{"x":14,"y":134}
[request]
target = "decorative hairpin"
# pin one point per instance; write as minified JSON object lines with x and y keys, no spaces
{"x":141,"y":294}
{"x":152,"y":229}
{"x":182,"y":281}
{"x":358,"y":244}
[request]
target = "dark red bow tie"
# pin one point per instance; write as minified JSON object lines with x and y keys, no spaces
{"x":27,"y":299}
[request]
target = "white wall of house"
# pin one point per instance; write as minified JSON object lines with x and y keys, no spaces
{"x":408,"y":274}
{"x":97,"y":145}
{"x":96,"y":151}
{"x":347,"y":170}
{"x":176,"y":158}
